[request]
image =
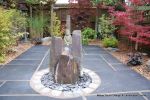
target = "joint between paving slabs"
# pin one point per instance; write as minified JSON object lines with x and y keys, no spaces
{"x":145,"y":98}
{"x":45,"y":55}
{"x":110,"y":65}
{"x":3,"y":83}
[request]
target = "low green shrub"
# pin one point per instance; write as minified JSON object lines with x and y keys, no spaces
{"x":88,"y":33}
{"x":110,"y":42}
{"x":85,"y":41}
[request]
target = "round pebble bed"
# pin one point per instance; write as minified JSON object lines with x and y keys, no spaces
{"x":83,"y":82}
{"x":42,"y":82}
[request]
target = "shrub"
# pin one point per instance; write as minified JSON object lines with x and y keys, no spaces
{"x":87,"y":33}
{"x":85,"y":41}
{"x":106,"y":27}
{"x":10,"y":28}
{"x":56,"y":28}
{"x":110,"y":42}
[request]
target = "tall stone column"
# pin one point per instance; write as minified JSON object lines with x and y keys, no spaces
{"x":55,"y":52}
{"x":77,"y":47}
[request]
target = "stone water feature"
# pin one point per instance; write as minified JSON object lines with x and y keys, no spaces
{"x":63,"y":79}
{"x":65,"y":58}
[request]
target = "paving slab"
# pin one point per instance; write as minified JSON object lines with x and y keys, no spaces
{"x":16,"y":87}
{"x":38,"y":48}
{"x":33,"y":98}
{"x":1,"y":83}
{"x":24,"y":62}
{"x":45,"y":63}
{"x":110,"y":58}
{"x":121,"y":82}
{"x":17,"y":72}
{"x":147,"y":95}
{"x":31,"y":56}
{"x":121,"y":67}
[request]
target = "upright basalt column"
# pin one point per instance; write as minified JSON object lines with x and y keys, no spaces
{"x":55,"y":52}
{"x":77,"y":47}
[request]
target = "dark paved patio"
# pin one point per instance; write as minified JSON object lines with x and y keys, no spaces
{"x":118,"y":81}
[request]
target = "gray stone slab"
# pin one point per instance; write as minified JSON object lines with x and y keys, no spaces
{"x":17,"y":72}
{"x":32,"y":55}
{"x":14,"y":87}
{"x":33,"y":98}
{"x":91,"y":56}
{"x":92,"y":47}
{"x":121,"y":67}
{"x":1,"y":82}
{"x":110,"y":58}
{"x":97,"y":66}
{"x":122,"y":81}
{"x":40,"y":48}
{"x":129,"y":96}
{"x":147,"y":94}
{"x":25,"y":62}
{"x":95,"y":52}
{"x":45,"y":63}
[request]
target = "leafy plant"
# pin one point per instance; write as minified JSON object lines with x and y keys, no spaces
{"x":106,"y":27}
{"x":85,"y":41}
{"x":88,"y":33}
{"x":37,"y":23}
{"x":106,"y":2}
{"x":10,"y":28}
{"x":56,"y":28}
{"x":110,"y":42}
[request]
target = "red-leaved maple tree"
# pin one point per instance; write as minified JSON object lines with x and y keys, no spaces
{"x":130,"y":23}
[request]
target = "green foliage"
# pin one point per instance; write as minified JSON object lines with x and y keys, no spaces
{"x":106,"y":2}
{"x":110,"y":42}
{"x":10,"y":27}
{"x":37,"y":23}
{"x":39,"y":1}
{"x":56,"y":29}
{"x":85,"y":41}
{"x":105,"y":26}
{"x":88,"y":33}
